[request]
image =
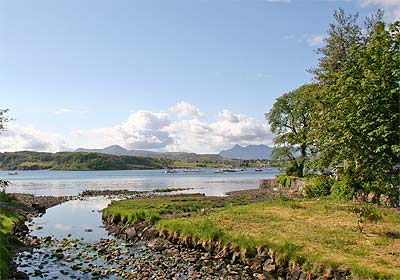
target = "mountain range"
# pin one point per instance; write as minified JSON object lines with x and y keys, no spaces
{"x":250,"y":152}
{"x":237,"y":152}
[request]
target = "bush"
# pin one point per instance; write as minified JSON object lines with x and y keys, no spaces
{"x":365,"y":213}
{"x":283,"y":180}
{"x":318,"y":187}
{"x":344,"y":188}
{"x":291,"y":170}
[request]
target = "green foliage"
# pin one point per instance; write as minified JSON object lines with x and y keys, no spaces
{"x":291,"y":170}
{"x":290,"y":119}
{"x":9,"y":218}
{"x":283,"y":180}
{"x":359,"y":97}
{"x":365,"y":213}
{"x":345,"y":187}
{"x":318,"y":187}
{"x":27,"y":160}
{"x":3,"y":118}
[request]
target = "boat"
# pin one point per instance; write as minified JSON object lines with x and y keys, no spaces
{"x":219,"y":171}
{"x":171,"y":171}
{"x":13,"y":173}
{"x":229,"y":170}
{"x":194,"y":170}
{"x":258,"y":170}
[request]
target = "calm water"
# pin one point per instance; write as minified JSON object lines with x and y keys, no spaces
{"x":59,"y":183}
{"x":79,"y":221}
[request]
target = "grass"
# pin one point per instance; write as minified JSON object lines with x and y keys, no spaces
{"x":171,"y":190}
{"x":8,"y":219}
{"x":311,"y":232}
{"x":153,"y":209}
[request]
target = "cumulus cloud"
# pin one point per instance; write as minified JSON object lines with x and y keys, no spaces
{"x":180,"y":128}
{"x":142,"y":130}
{"x":184,"y":109}
{"x":391,"y":7}
{"x":22,"y":138}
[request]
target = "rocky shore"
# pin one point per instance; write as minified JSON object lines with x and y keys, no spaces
{"x":210,"y":259}
{"x":29,"y":206}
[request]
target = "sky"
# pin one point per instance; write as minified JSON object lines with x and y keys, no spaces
{"x":167,"y":75}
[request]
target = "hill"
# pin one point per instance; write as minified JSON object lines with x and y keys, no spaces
{"x":251,"y":152}
{"x":27,"y":160}
{"x":183,"y":156}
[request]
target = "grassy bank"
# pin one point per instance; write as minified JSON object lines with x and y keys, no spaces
{"x":311,"y":232}
{"x":8,"y":220}
{"x":153,"y":209}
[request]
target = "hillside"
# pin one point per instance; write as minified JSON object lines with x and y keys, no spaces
{"x":251,"y":152}
{"x":187,"y":157}
{"x":27,"y":160}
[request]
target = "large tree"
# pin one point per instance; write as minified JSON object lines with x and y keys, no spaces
{"x":290,"y":120}
{"x":359,"y":99}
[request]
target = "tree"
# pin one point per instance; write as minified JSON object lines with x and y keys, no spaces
{"x":290,"y":118}
{"x":359,"y":99}
{"x":3,"y":118}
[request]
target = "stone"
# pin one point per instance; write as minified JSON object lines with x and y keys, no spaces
{"x":269,"y":267}
{"x":131,"y":233}
{"x":21,"y":275}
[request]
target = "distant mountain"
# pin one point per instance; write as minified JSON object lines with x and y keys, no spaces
{"x":248,"y":153}
{"x":112,"y":150}
{"x":118,"y":150}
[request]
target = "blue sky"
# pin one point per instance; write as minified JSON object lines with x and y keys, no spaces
{"x":93,"y":73}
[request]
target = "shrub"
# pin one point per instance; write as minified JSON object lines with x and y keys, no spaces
{"x":283,"y":180}
{"x":318,"y":187}
{"x":344,"y":188}
{"x":365,"y":213}
{"x":291,"y":170}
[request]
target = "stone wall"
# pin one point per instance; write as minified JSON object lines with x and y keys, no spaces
{"x":295,"y":187}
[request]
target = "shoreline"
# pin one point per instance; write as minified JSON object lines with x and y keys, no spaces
{"x":28,"y":206}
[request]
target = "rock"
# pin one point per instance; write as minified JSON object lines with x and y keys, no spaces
{"x":58,"y":255}
{"x":21,"y":275}
{"x":47,"y":239}
{"x":263,"y":276}
{"x":269,"y":267}
{"x":131,"y":233}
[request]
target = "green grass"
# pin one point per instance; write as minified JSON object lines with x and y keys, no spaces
{"x":151,"y":209}
{"x":171,"y":190}
{"x":311,"y":232}
{"x":8,"y":219}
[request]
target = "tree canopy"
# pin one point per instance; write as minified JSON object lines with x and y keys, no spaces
{"x":353,"y":109}
{"x":290,"y":119}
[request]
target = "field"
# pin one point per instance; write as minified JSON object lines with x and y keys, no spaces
{"x":314,"y":233}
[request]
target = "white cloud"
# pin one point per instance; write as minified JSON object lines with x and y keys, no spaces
{"x":315,"y":40}
{"x":391,"y":7}
{"x":184,"y":109}
{"x":179,"y":128}
{"x":21,"y":137}
{"x":142,"y":130}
